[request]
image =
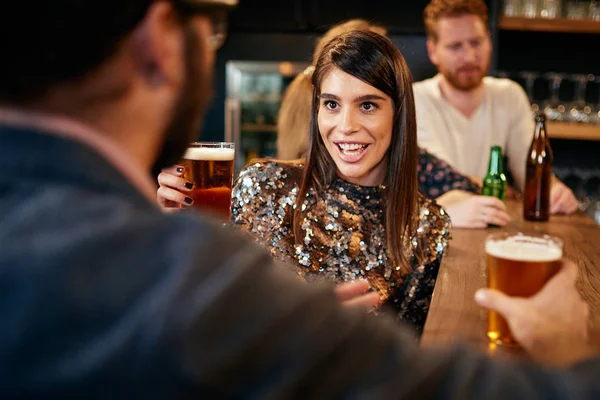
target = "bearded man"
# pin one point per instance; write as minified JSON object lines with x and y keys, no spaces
{"x":462,"y":112}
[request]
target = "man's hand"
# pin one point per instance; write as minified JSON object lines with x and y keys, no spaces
{"x":476,"y":179}
{"x":552,"y":325}
{"x":513,"y":194}
{"x":562,"y":199}
{"x":353,"y":294}
{"x":472,"y":211}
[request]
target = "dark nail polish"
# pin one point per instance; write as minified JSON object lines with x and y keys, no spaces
{"x":189,"y":185}
{"x":180,"y":170}
{"x":189,"y":200}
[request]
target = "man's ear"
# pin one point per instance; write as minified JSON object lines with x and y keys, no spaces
{"x":431,"y":50}
{"x":158,"y":46}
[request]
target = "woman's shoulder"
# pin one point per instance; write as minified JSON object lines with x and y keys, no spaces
{"x":271,"y":173}
{"x":263,"y":197}
{"x":265,"y":182}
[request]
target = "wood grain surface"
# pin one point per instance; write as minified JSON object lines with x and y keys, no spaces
{"x":454,"y":316}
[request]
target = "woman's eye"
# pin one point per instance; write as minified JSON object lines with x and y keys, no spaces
{"x":331,"y":105}
{"x":368,"y":107}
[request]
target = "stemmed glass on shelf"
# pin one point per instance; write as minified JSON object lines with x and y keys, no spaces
{"x":580,"y":111}
{"x":554,"y":109}
{"x":529,"y":78}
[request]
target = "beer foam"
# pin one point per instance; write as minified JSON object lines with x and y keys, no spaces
{"x":209,"y":154}
{"x":524,"y":248}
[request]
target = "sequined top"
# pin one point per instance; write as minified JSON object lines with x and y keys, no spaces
{"x":344,"y":235}
{"x":437,"y":177}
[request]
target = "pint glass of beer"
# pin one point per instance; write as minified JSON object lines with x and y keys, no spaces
{"x":518,"y":264}
{"x":209,"y":166}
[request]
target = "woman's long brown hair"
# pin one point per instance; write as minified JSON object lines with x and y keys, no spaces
{"x":375,"y":60}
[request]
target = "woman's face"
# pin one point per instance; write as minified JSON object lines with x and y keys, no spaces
{"x":355,"y":122}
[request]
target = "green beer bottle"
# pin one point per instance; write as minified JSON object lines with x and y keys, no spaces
{"x":494,"y":183}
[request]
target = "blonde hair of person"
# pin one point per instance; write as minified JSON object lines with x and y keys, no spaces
{"x":293,"y":123}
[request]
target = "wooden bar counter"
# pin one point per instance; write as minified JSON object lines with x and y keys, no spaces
{"x":455,"y":317}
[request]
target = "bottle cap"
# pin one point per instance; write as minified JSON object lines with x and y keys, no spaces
{"x":540,"y":117}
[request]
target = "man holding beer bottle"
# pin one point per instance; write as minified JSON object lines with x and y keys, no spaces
{"x":462,"y":113}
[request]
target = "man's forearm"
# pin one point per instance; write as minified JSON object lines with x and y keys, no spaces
{"x":264,"y":334}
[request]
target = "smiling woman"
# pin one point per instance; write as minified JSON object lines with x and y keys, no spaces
{"x":392,"y":159}
{"x":353,"y":210}
{"x":355,"y":122}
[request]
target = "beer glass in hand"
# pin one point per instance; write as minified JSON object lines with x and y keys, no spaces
{"x":518,"y":264}
{"x":209,"y":167}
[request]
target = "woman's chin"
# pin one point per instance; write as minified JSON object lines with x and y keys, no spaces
{"x":351,"y":173}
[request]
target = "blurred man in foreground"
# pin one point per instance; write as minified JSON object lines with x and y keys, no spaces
{"x":105,"y":296}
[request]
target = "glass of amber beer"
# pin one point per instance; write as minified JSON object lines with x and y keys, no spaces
{"x":518,"y":264}
{"x":209,"y":166}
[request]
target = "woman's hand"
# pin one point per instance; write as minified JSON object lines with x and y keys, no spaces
{"x":353,"y":294}
{"x":173,"y":190}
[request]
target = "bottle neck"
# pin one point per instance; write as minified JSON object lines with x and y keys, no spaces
{"x":495,"y":167}
{"x":540,"y":130}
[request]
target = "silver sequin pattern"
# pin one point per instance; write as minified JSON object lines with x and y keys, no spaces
{"x":343,"y":235}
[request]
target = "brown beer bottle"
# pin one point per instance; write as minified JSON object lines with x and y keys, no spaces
{"x":538,"y":176}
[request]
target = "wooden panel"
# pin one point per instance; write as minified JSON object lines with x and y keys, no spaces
{"x":562,"y":130}
{"x":549,"y":25}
